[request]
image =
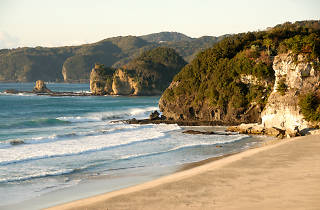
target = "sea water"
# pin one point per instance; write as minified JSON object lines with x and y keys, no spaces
{"x":65,"y":141}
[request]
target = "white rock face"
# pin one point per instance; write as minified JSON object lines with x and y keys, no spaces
{"x":293,"y":69}
{"x":250,"y":79}
{"x":282,"y":111}
{"x":123,"y":84}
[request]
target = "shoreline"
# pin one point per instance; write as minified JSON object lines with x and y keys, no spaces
{"x":113,"y":199}
{"x":186,"y":172}
{"x":106,"y":184}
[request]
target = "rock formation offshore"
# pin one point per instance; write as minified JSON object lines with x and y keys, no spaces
{"x":149,"y":74}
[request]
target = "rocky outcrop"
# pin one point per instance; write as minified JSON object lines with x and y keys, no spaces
{"x":299,"y":76}
{"x":125,"y":84}
{"x":109,"y":82}
{"x":149,"y":74}
{"x":101,"y":80}
{"x":252,"y":80}
{"x":282,"y":115}
{"x":16,"y":142}
{"x":40,"y":87}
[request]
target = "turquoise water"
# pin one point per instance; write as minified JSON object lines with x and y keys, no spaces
{"x":68,"y":140}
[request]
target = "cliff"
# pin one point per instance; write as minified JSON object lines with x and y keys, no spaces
{"x":149,"y":74}
{"x":256,"y":78}
{"x":298,"y":76}
{"x":101,"y":80}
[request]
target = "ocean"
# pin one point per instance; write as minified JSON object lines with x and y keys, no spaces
{"x":50,"y":144}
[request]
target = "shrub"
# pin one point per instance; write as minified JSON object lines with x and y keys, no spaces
{"x":282,"y":87}
{"x":310,"y":107}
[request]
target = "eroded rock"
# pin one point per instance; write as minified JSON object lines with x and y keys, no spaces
{"x":41,"y":87}
{"x":282,"y":110}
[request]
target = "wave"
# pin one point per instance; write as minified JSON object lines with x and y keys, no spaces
{"x":94,"y":117}
{"x":19,"y":94}
{"x":38,"y":175}
{"x":77,"y":146}
{"x":115,"y":128}
{"x":111,"y":115}
{"x":43,"y":122}
{"x":180,"y":147}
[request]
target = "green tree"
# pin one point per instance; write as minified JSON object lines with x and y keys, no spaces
{"x":268,"y":43}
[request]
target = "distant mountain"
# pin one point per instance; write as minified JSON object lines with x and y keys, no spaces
{"x":166,"y":37}
{"x":73,"y":63}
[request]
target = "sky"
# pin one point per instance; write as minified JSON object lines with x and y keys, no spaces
{"x":72,"y":22}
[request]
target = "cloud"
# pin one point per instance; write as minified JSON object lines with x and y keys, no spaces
{"x":8,"y":41}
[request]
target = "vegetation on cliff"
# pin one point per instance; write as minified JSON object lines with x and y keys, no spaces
{"x":310,"y":106}
{"x":211,"y":86}
{"x":73,"y":63}
{"x":149,"y":74}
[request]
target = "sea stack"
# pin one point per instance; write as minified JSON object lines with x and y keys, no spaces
{"x":149,"y":74}
{"x":41,"y":87}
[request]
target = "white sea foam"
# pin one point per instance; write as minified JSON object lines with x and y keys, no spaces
{"x":19,"y":94}
{"x":110,"y":115}
{"x":81,"y":145}
{"x":36,"y":174}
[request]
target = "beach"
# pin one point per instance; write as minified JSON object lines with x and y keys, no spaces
{"x":284,"y":175}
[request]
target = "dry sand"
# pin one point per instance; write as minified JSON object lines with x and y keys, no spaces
{"x":282,"y":176}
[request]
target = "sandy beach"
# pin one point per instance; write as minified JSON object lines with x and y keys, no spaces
{"x":284,"y":175}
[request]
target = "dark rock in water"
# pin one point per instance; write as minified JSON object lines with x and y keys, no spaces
{"x":11,"y":91}
{"x":198,"y":132}
{"x":206,"y":132}
{"x":154,"y":115}
{"x":16,"y":142}
{"x":41,"y":87}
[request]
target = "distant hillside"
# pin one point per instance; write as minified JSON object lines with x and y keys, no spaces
{"x":73,"y":63}
{"x":189,"y":49}
{"x":166,"y":37}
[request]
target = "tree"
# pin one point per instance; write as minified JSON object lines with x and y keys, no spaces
{"x":268,"y":43}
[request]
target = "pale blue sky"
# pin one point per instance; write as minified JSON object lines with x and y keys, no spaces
{"x":70,"y":22}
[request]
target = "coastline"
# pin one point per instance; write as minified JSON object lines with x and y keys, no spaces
{"x":262,"y":165}
{"x":102,"y":184}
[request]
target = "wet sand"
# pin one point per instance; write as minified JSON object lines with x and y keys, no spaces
{"x":284,"y":175}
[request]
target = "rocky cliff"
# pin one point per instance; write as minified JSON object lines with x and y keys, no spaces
{"x":149,"y":74}
{"x":252,"y":78}
{"x":101,"y":80}
{"x":297,"y":74}
{"x":125,"y":83}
